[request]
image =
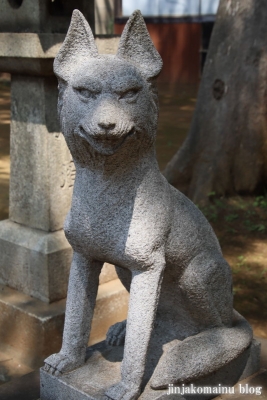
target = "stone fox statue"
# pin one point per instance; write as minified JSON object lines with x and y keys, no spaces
{"x":181,"y":325}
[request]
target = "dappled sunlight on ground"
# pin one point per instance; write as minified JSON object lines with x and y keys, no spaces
{"x":240,"y":224}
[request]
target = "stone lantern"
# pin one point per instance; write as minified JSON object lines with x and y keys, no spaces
{"x":34,"y":254}
{"x":42,"y":16}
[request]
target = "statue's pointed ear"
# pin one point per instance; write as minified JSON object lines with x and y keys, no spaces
{"x":137,"y":47}
{"x":78,"y":45}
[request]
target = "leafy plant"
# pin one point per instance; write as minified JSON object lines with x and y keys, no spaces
{"x":211,"y":213}
{"x":260,"y":201}
{"x":211,"y":194}
{"x":254,"y":227}
{"x":241,"y":260}
{"x":231,"y":217}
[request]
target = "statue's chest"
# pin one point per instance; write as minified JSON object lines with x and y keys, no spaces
{"x":98,"y":225}
{"x":119,"y":221}
{"x":117,"y":230}
{"x":100,"y":229}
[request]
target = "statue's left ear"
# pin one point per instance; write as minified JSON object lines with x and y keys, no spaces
{"x":78,"y":46}
{"x":137,"y":47}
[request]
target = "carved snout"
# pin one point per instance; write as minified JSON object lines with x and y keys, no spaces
{"x":106,"y":118}
{"x":106,"y":130}
{"x":108,"y":122}
{"x":106,"y":125}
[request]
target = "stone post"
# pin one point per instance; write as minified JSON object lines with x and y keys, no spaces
{"x":104,"y":17}
{"x":35,"y":255}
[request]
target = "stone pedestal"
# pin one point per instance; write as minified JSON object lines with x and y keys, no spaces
{"x":33,"y":261}
{"x":102,"y":369}
{"x":31,"y":330}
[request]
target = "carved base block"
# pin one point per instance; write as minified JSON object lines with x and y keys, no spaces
{"x":102,"y":369}
{"x":34,"y":262}
{"x":30,"y":329}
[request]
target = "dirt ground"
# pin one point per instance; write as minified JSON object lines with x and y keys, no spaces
{"x":240,"y":223}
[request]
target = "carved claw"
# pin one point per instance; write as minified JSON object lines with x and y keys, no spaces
{"x":116,"y":334}
{"x":58,"y":364}
{"x":122,"y":391}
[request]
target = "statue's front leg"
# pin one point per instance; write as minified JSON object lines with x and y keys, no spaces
{"x":144,"y":296}
{"x":82,"y":291}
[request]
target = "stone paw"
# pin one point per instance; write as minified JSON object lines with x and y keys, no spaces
{"x":122,"y":391}
{"x":116,"y":334}
{"x":58,"y":364}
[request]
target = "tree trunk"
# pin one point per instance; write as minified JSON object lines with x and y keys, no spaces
{"x":226,"y":149}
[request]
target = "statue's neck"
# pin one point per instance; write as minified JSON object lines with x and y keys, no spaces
{"x":120,"y":163}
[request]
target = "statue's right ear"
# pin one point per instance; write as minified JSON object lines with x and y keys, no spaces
{"x":137,"y":47}
{"x":78,"y":46}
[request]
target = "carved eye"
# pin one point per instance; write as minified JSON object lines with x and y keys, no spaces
{"x":130,"y":94}
{"x":86,"y":93}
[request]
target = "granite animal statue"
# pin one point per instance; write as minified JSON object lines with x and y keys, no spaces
{"x":181,"y":325}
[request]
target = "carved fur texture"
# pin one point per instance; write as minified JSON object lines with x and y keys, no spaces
{"x":181,"y":325}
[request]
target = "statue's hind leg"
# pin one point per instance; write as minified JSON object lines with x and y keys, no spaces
{"x":206,"y":287}
{"x":204,"y":354}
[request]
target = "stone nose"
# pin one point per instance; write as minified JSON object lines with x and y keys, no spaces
{"x":106,"y":125}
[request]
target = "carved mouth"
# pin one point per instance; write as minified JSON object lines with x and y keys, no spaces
{"x":105,"y":143}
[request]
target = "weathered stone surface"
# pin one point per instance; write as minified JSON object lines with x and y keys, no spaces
{"x":102,"y":369}
{"x":42,"y":171}
{"x":104,"y":16}
{"x":34,"y":261}
{"x":21,"y":388}
{"x":30,"y":45}
{"x":33,"y":54}
{"x":37,"y":263}
{"x":253,"y":363}
{"x":30,"y":329}
{"x":41,"y":16}
{"x":107,"y":45}
{"x":42,"y":176}
{"x":181,"y":326}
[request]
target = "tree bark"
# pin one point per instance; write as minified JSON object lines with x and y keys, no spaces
{"x":226,"y":148}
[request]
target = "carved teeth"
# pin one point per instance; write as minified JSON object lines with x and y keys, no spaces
{"x":104,"y":137}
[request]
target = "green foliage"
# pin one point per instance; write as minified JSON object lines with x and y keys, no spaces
{"x":231,"y":217}
{"x":211,"y":213}
{"x":239,"y":264}
{"x":238,"y":214}
{"x":260,"y":201}
{"x":239,"y":222}
{"x":211,"y":194}
{"x":252,"y":227}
